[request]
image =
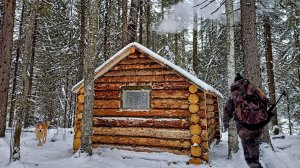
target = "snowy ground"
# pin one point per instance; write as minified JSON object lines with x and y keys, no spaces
{"x":59,"y":154}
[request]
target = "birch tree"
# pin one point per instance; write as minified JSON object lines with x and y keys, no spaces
{"x":15,"y":69}
{"x":233,"y":143}
{"x":89,"y":67}
{"x":196,"y":60}
{"x":23,"y":100}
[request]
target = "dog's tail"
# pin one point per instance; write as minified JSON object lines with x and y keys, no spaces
{"x":48,"y":123}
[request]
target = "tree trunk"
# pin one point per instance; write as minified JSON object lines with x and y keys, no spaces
{"x":141,"y":22}
{"x":250,"y":43}
{"x":133,"y":18}
{"x":148,"y":22}
{"x":289,"y":113}
{"x":82,"y":40}
{"x":250,"y":50}
{"x":106,"y":30}
{"x":6,"y":44}
{"x":66,"y":103}
{"x":89,"y":67}
{"x":196,"y":60}
{"x":183,"y":51}
{"x":23,"y":100}
{"x":176,"y":53}
{"x":233,"y":143}
{"x":32,"y":58}
{"x":16,"y":62}
{"x":270,"y":72}
{"x":1,"y":14}
{"x":124,"y":23}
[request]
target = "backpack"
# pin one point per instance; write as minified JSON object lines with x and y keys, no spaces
{"x":251,"y":107}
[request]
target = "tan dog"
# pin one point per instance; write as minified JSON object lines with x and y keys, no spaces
{"x":41,"y":132}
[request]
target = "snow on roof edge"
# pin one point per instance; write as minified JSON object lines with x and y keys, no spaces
{"x":152,"y":54}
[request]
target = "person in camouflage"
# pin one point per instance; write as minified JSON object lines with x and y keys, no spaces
{"x":250,"y":139}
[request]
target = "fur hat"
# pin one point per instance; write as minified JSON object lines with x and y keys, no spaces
{"x":238,"y":77}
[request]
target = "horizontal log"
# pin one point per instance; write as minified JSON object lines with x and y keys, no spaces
{"x":141,"y":141}
{"x":145,"y":149}
{"x":210,"y":101}
{"x":205,"y":157}
{"x":139,"y":72}
{"x":180,"y":94}
{"x":141,"y":55}
{"x":202,"y":114}
{"x":151,"y":113}
{"x":210,"y":114}
{"x":107,"y":104}
{"x":212,"y":135}
{"x":155,"y":85}
{"x":169,"y":104}
{"x":143,"y":132}
{"x":205,"y":145}
{"x":153,"y":65}
{"x":201,"y":94}
{"x":107,"y":94}
{"x":140,"y":122}
{"x":203,"y":123}
{"x":210,"y":121}
{"x":210,"y":128}
{"x":202,"y":104}
{"x":152,"y":78}
{"x":134,"y":56}
{"x":145,"y":60}
{"x":210,"y":108}
{"x":204,"y":135}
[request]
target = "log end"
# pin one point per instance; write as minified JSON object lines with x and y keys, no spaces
{"x":196,"y":161}
{"x":76,"y":144}
{"x":196,"y":151}
{"x":195,"y":129}
{"x":193,"y":89}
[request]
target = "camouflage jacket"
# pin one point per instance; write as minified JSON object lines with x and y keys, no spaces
{"x":229,"y":109}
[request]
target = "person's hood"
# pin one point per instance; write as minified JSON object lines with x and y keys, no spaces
{"x":236,"y":85}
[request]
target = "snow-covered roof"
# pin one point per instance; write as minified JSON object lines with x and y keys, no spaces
{"x":106,"y":66}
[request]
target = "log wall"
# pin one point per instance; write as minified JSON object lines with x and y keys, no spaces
{"x":180,"y":116}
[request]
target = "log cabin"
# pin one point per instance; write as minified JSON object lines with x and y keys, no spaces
{"x":144,"y":102}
